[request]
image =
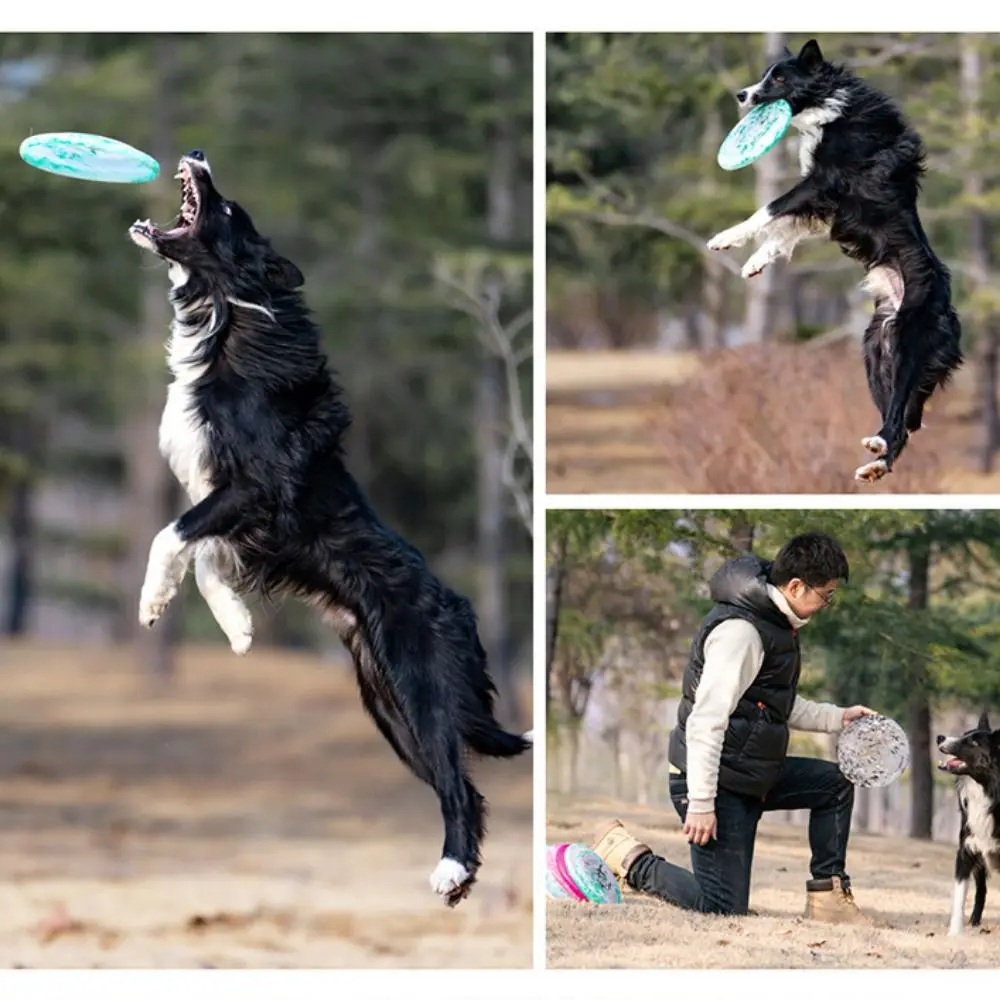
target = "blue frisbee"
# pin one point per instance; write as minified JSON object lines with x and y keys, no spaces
{"x":88,"y":157}
{"x":756,"y":134}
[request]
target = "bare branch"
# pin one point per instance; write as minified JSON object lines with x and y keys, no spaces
{"x":661,"y":225}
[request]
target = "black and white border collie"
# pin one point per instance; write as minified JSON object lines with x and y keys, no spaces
{"x":974,"y":758}
{"x":861,"y":166}
{"x":253,"y":428}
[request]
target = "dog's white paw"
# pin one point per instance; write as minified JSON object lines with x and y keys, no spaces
{"x":449,"y":878}
{"x":153,"y":603}
{"x":757,"y":263}
{"x":240,"y":644}
{"x":872,"y":472}
{"x":732,"y":237}
{"x":875,"y":444}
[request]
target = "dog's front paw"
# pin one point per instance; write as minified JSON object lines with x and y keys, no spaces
{"x":732,"y":237}
{"x":872,"y":472}
{"x":152,"y":605}
{"x":241,"y":643}
{"x":757,"y":263}
{"x":875,"y":444}
{"x":452,"y":880}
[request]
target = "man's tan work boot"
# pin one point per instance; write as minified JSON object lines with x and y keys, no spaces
{"x":829,"y":900}
{"x":618,"y":848}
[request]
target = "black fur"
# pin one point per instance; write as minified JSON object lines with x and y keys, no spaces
{"x":863,"y":185}
{"x":974,"y":758}
{"x":295,"y":520}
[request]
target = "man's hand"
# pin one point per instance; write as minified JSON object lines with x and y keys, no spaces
{"x":699,"y":828}
{"x":855,"y":712}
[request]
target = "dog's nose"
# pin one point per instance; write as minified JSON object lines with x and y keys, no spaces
{"x":196,"y":154}
{"x":742,"y":97}
{"x":940,"y":740}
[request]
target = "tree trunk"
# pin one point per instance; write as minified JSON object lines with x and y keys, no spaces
{"x":147,"y":477}
{"x":492,"y":528}
{"x":918,"y":705}
{"x":763,"y":291}
{"x":22,"y":542}
{"x":979,"y":243}
{"x":742,"y":531}
{"x":555,"y":578}
{"x":713,"y":274}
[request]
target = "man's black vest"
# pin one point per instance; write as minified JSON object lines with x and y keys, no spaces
{"x":756,"y":739}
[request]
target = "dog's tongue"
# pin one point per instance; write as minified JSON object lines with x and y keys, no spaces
{"x":951,"y":764}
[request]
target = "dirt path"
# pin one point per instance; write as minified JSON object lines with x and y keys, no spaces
{"x":904,"y":884}
{"x":249,"y":817}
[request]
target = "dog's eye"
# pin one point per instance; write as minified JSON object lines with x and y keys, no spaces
{"x":778,"y":78}
{"x":227,"y":210}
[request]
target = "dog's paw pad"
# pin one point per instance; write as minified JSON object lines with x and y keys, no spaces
{"x":872,"y":472}
{"x":452,"y":880}
{"x":875,"y":444}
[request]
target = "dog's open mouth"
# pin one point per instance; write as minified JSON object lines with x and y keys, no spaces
{"x":952,"y":765}
{"x":143,"y":232}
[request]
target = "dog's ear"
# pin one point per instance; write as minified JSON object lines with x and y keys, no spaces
{"x":984,"y":723}
{"x":283,"y":273}
{"x":810,"y":56}
{"x":788,"y":53}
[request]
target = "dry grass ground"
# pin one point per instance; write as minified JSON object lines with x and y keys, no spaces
{"x":249,"y":816}
{"x":644,"y":422}
{"x":904,"y":884}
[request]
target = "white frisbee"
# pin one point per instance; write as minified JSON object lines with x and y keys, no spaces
{"x":872,"y":751}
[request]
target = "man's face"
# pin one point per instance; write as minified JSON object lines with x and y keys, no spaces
{"x":804,"y":600}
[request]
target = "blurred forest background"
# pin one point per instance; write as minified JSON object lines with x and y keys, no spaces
{"x":666,"y":370}
{"x":396,"y":171}
{"x":914,"y":635}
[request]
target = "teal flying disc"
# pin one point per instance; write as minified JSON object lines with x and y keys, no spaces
{"x":88,"y":158}
{"x":756,"y":134}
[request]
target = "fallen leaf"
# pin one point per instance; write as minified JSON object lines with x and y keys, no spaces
{"x":57,"y":923}
{"x":873,"y":954}
{"x":817,"y":944}
{"x":722,"y":941}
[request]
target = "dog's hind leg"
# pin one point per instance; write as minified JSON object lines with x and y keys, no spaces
{"x":227,"y":607}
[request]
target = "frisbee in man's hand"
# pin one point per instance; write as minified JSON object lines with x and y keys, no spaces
{"x":88,"y":157}
{"x":757,"y":133}
{"x":872,"y":751}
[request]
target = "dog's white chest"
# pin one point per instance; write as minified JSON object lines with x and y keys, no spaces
{"x":810,"y":124}
{"x":975,"y":805}
{"x":184,"y":437}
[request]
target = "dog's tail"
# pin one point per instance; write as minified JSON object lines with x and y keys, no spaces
{"x":492,"y":741}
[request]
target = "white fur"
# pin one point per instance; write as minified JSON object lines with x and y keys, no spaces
{"x":982,"y":837}
{"x":810,"y":124}
{"x":226,"y":606}
{"x":885,"y":282}
{"x":958,"y":907}
{"x":448,"y":876}
{"x":167,"y":564}
{"x":876,"y":445}
{"x":183,"y":442}
{"x":742,"y":233}
{"x":872,"y":471}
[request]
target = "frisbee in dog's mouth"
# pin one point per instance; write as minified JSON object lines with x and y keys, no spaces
{"x":952,"y":765}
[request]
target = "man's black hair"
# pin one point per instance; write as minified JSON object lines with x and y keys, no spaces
{"x":815,"y":558}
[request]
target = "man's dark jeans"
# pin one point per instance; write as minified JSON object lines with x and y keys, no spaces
{"x":721,"y":879}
